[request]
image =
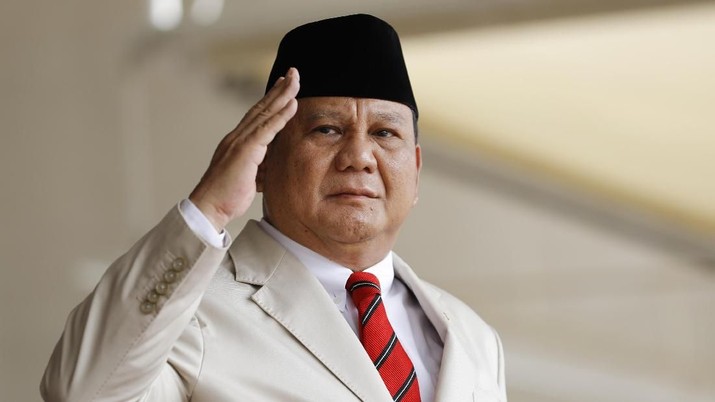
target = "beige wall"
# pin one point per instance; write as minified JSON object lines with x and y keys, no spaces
{"x":105,"y":127}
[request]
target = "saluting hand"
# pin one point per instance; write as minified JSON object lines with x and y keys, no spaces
{"x":228,"y":187}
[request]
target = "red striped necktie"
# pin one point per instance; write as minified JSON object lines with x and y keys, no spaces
{"x":380,"y":340}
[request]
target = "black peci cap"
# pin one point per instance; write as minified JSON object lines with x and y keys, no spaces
{"x":355,"y":56}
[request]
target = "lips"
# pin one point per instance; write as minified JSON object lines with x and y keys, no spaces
{"x":354,"y":192}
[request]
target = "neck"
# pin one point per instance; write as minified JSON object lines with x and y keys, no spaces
{"x":355,"y":255}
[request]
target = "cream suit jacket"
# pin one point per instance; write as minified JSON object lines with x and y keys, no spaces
{"x":245,"y":324}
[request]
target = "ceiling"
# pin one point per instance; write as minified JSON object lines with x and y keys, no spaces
{"x":618,"y":105}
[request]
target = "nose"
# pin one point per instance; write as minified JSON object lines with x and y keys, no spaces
{"x":356,"y":153}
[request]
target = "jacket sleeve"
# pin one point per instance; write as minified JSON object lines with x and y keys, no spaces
{"x":134,"y":337}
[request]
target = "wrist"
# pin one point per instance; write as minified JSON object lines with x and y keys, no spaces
{"x":218,"y":219}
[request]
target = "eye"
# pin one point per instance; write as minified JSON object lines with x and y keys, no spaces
{"x":383,"y":133}
{"x":327,"y":130}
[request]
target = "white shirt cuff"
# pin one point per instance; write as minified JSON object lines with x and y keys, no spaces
{"x":200,"y":224}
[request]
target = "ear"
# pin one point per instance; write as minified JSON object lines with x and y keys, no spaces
{"x":418,"y":159}
{"x":418,"y":166}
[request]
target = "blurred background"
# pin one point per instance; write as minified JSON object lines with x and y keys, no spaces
{"x":568,"y":192}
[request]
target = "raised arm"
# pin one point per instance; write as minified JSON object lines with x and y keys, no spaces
{"x":117,"y":344}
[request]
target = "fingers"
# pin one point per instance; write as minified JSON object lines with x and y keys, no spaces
{"x":269,"y":128}
{"x":271,"y":108}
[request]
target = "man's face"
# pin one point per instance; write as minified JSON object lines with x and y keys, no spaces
{"x":344,"y":171}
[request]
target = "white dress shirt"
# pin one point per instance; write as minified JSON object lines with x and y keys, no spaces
{"x":414,"y":330}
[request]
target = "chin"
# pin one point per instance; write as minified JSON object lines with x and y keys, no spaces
{"x":352,"y":228}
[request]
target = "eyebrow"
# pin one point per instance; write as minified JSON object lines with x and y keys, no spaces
{"x":388,"y":117}
{"x":325,"y":114}
{"x":394,"y":118}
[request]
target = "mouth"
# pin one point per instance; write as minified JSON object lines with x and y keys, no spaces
{"x":354,"y":193}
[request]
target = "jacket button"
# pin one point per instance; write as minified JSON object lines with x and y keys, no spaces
{"x":161,"y":288}
{"x":170,"y":276}
{"x":152,"y":297}
{"x":178,"y":264}
{"x":147,"y":307}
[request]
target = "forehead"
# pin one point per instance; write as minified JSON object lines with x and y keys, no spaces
{"x":351,"y":109}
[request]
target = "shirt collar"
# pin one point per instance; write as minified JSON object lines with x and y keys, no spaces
{"x":330,"y":274}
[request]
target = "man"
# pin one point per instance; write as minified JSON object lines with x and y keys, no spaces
{"x":309,"y":304}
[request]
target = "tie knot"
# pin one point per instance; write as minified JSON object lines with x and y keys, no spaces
{"x":365,"y":281}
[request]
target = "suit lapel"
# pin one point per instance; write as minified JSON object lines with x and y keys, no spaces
{"x":297,"y":300}
{"x":459,"y":377}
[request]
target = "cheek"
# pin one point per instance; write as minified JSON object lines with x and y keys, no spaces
{"x":308,"y":170}
{"x":401,"y":175}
